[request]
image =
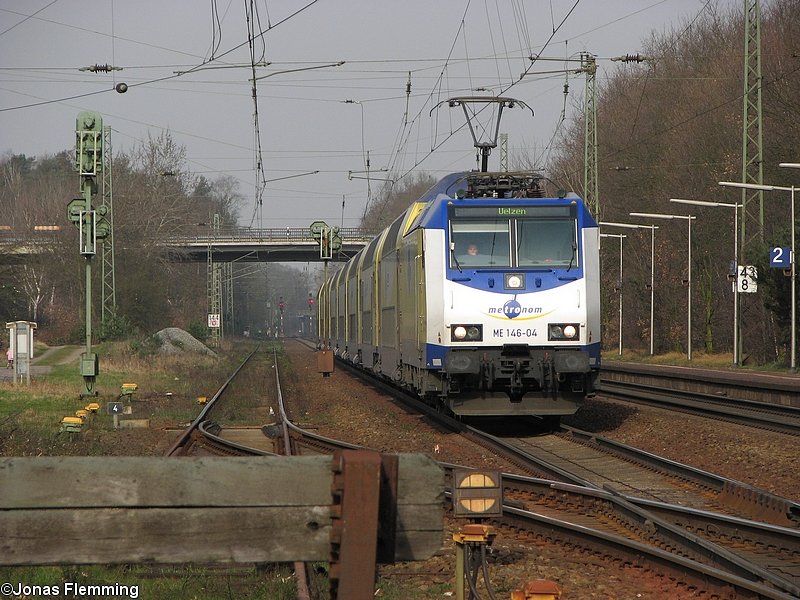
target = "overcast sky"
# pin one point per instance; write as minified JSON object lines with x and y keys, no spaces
{"x":449,"y":47}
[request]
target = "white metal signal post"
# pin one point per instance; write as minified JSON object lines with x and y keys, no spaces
{"x":652,"y":283}
{"x":793,"y":273}
{"x":621,"y":237}
{"x":737,"y":353}
{"x":688,"y":275}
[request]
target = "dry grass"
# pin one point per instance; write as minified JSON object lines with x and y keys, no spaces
{"x":119,"y":357}
{"x":721,"y":361}
{"x":30,"y":416}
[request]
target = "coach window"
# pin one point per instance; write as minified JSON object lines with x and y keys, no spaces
{"x":489,"y":237}
{"x":547,"y":243}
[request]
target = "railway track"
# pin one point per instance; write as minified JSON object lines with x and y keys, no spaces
{"x":613,"y":489}
{"x":607,"y":500}
{"x":198,"y":438}
{"x":585,"y":459}
{"x":764,"y":387}
{"x":753,"y":550}
{"x":762,"y":415}
{"x":615,"y":500}
{"x":207,"y":437}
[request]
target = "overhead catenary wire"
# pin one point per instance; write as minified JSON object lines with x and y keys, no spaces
{"x":434,"y":146}
{"x":259,"y":35}
{"x":216,"y":30}
{"x":505,"y":46}
{"x":534,"y":59}
{"x":18,"y":23}
{"x":449,"y":75}
{"x":417,"y":142}
{"x":260,"y":185}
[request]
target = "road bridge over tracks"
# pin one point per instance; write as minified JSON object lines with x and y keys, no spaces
{"x":227,"y":244}
{"x":288,"y":244}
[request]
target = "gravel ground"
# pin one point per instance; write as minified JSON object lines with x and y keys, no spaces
{"x":344,"y":408}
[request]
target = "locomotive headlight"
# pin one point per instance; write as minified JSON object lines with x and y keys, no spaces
{"x":466,"y":333}
{"x":514,"y":281}
{"x":569,"y":332}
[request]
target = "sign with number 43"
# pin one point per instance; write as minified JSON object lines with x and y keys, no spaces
{"x":747,"y":279}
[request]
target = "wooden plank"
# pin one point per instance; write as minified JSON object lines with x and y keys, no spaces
{"x":224,"y":535}
{"x":94,"y":481}
{"x":84,"y":510}
{"x":420,"y":480}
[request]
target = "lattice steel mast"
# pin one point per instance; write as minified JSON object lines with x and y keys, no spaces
{"x":752,"y":321}
{"x":752,"y":153}
{"x":214,"y":288}
{"x":228,"y":275}
{"x":109,"y":292}
{"x":590,"y":186}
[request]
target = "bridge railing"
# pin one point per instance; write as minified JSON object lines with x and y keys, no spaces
{"x":203,"y":234}
{"x":275,"y":234}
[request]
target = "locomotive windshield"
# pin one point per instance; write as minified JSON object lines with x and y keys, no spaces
{"x":546,"y":243}
{"x":529,"y":236}
{"x":482,"y":243}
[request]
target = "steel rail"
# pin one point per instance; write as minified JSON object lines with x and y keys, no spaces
{"x":726,"y":569}
{"x":226,"y":444}
{"x":627,"y":506}
{"x":720,"y":484}
{"x":301,"y":579}
{"x":184,"y":439}
{"x":667,"y":523}
{"x":772,"y":417}
{"x":686,"y":530}
{"x":679,"y":567}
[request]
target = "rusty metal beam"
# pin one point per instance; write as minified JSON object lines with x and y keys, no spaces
{"x":354,"y":532}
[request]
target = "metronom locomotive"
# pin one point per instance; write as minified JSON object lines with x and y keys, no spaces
{"x":482,"y":296}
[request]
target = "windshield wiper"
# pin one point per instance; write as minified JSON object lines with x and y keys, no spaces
{"x":455,"y":259}
{"x":574,"y":254}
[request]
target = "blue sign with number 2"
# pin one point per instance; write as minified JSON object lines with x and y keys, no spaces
{"x":780,"y":258}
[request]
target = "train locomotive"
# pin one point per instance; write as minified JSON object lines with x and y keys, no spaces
{"x":482,"y":296}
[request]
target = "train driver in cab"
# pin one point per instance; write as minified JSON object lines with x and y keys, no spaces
{"x":471,"y":256}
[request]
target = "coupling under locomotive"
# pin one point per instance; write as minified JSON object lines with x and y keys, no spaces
{"x":482,"y":296}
